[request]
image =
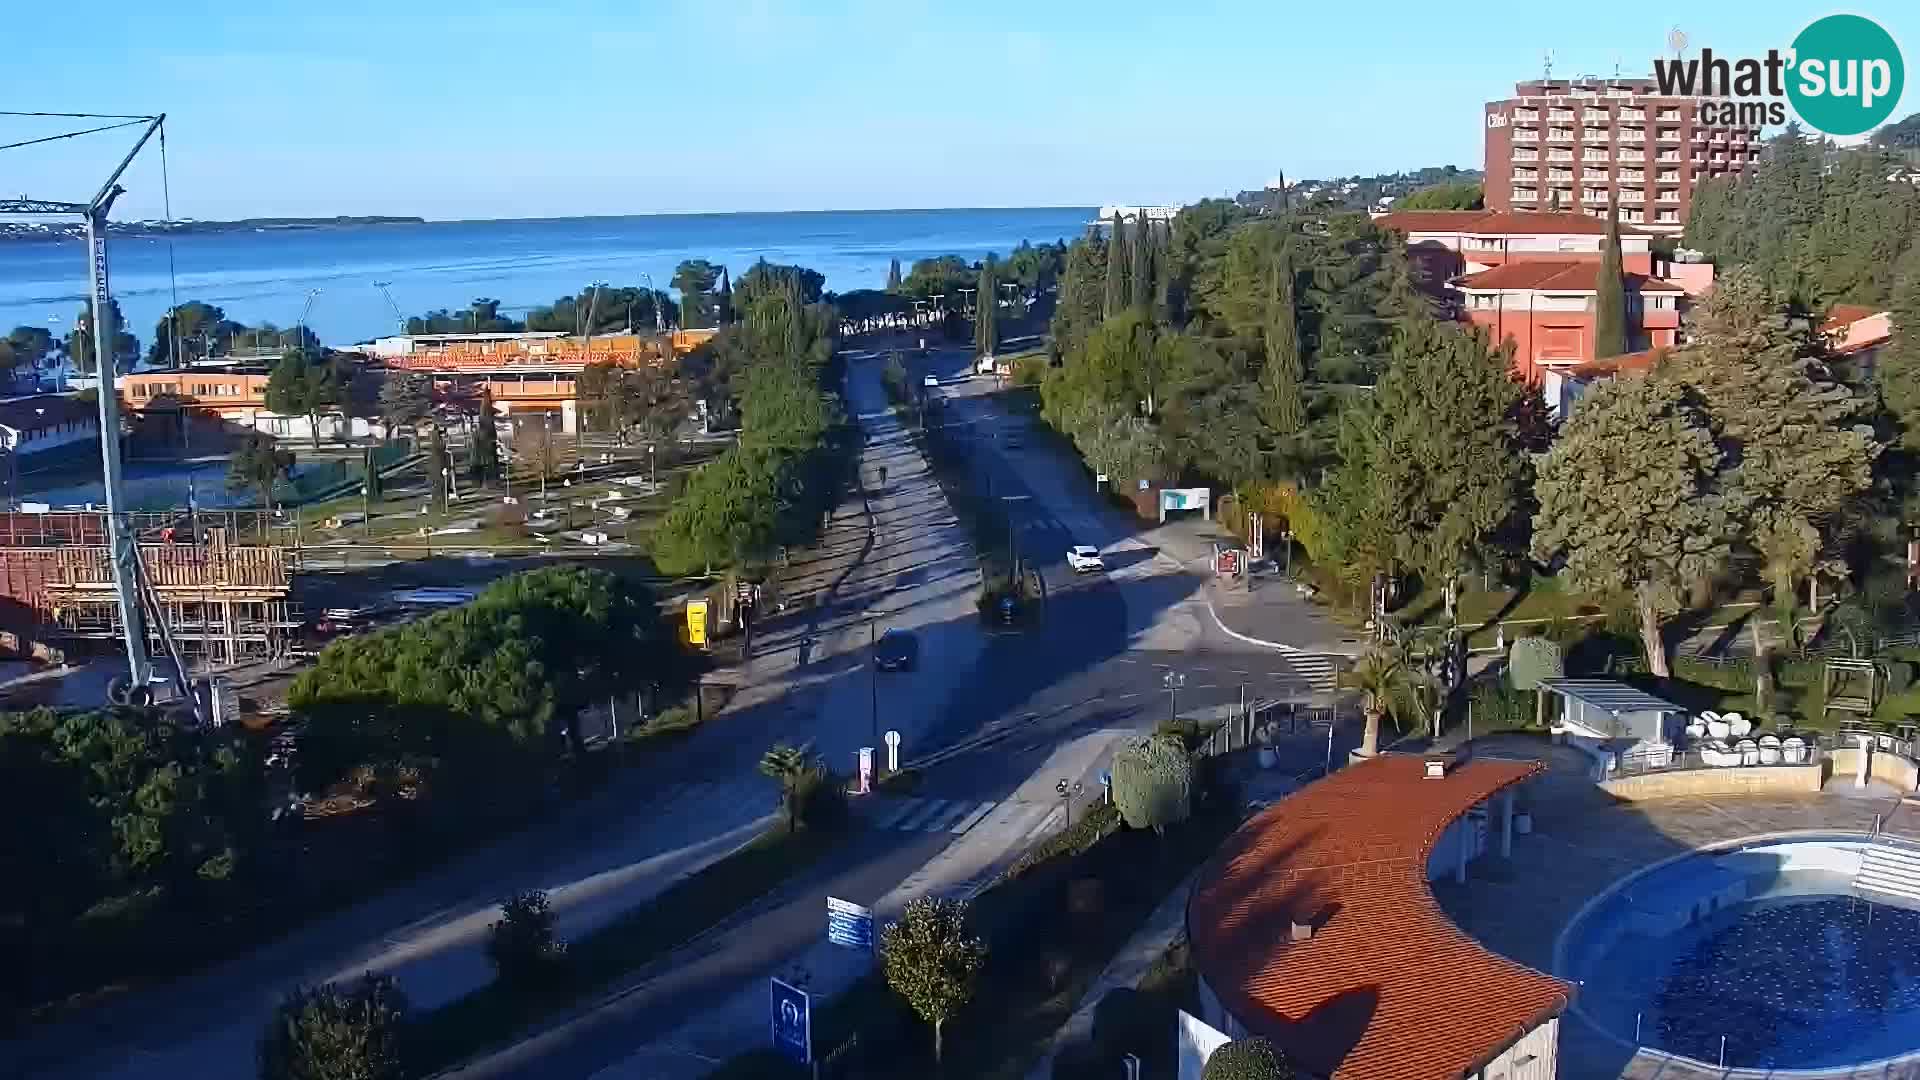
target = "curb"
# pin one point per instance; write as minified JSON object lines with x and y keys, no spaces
{"x":1230,"y":632}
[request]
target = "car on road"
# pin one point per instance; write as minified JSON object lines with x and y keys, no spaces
{"x":931,"y":381}
{"x":897,"y":650}
{"x":1084,"y":559}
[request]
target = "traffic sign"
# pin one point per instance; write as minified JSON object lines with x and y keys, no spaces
{"x":849,"y":924}
{"x":792,"y":1012}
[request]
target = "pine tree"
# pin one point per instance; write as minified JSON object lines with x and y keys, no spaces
{"x":723,"y":301}
{"x":986,"y":331}
{"x":1898,"y":371}
{"x":1610,"y":299}
{"x":1140,"y":277}
{"x":1116,"y":268}
{"x":1282,"y":407}
{"x":486,"y":443}
{"x":893,"y":275}
{"x":436,"y":465}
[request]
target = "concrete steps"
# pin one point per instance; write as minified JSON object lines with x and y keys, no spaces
{"x":1889,"y":869}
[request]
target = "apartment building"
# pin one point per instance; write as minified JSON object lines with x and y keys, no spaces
{"x":1583,"y":144}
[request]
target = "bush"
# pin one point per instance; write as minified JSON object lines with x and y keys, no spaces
{"x":1497,"y":706}
{"x":1188,"y":733}
{"x":1247,"y":1059}
{"x":1153,"y":783}
{"x":819,"y":798}
{"x":1734,"y":676}
{"x":522,"y":945}
{"x":1899,"y":676}
{"x":1533,"y":659}
{"x":329,"y":1032}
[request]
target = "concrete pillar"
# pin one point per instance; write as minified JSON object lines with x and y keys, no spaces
{"x":1506,"y":824}
{"x":1462,"y":844}
{"x":567,"y":417}
{"x":1865,"y":743}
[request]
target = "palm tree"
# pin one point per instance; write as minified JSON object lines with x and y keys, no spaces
{"x":1379,"y":676}
{"x":785,"y":764}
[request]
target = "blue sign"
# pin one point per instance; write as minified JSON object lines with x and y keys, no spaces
{"x":792,"y":1021}
{"x":849,"y":924}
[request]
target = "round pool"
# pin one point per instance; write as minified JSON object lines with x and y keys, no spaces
{"x":1763,"y":944}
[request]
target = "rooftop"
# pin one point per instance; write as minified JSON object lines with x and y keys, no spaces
{"x":1498,"y":223}
{"x":1387,"y":987}
{"x":46,"y":410}
{"x":1609,"y":695}
{"x":1557,"y":275}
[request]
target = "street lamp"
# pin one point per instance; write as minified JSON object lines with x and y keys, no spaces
{"x":873,"y":674}
{"x":653,"y":473}
{"x":1173,"y":681}
{"x":1069,"y":790}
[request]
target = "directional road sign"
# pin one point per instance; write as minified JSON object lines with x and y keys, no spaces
{"x":849,"y":924}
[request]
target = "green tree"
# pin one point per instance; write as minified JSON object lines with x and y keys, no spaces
{"x":437,"y":464}
{"x":1283,"y":404}
{"x":484,"y":455}
{"x":404,"y":398}
{"x":1116,"y":280}
{"x":257,"y":465}
{"x":932,"y":962}
{"x":1381,"y":678}
{"x":986,"y":319}
{"x":1797,"y":438}
{"x":1633,"y":497}
{"x":1533,"y":659}
{"x":1462,"y":195}
{"x":1898,"y":371}
{"x":893,"y":274}
{"x":1610,"y":299}
{"x":788,"y":766}
{"x":1080,"y":306}
{"x":522,"y":945}
{"x":355,"y":1032}
{"x":1140,"y":272}
{"x":189,"y":332}
{"x":1153,"y":783}
{"x":79,"y":343}
{"x":25,"y":348}
{"x":370,"y":474}
{"x":1247,"y":1059}
{"x":302,"y":384}
{"x":695,"y":279}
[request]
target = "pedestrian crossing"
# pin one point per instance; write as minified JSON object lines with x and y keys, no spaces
{"x":959,"y":816}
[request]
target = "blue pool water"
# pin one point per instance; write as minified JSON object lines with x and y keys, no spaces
{"x":1765,"y":945}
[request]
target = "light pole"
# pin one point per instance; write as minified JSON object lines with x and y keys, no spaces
{"x":1173,"y":681}
{"x":1068,"y":790}
{"x":1013,"y":550}
{"x":653,"y":472}
{"x":873,"y":676}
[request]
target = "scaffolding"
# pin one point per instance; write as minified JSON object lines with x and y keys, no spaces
{"x":223,"y":601}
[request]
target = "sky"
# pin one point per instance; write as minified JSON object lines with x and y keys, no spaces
{"x":482,"y":110}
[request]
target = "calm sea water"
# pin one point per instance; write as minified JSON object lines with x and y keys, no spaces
{"x":267,"y":276}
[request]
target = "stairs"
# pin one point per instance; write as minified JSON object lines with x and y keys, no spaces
{"x":1316,"y":670}
{"x":1889,"y":869}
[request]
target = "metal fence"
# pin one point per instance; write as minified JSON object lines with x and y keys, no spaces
{"x":1817,"y":748}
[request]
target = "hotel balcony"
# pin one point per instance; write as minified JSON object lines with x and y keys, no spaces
{"x":1669,"y":196}
{"x":1594,"y":116}
{"x":1635,"y":116}
{"x":1632,"y":155}
{"x":1559,"y":135}
{"x":1630,"y":197}
{"x":1559,"y":155}
{"x":1632,"y":135}
{"x":1597,"y":136}
{"x":1526,"y":155}
{"x":1525,"y":195}
{"x":1560,"y":116}
{"x":1526,"y":116}
{"x":1522,"y":135}
{"x":1595,"y":155}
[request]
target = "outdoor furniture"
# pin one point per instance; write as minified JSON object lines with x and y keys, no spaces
{"x":1738,"y":726}
{"x":1718,"y":729}
{"x":1793,"y":750}
{"x":1770,"y":750}
{"x":1749,"y":751}
{"x":1697,"y":729}
{"x":1716,"y":755}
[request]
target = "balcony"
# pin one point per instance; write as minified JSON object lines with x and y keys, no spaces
{"x":1669,"y":217}
{"x":1669,"y":195}
{"x":1595,"y":155}
{"x":1632,"y":155}
{"x":1632,"y":176}
{"x":1525,"y":136}
{"x":1560,"y":116}
{"x":1560,"y":176}
{"x":1595,"y":175}
{"x":1527,"y":175}
{"x":1598,"y":136}
{"x":1560,"y":155}
{"x":1525,"y":195}
{"x":1670,"y":115}
{"x":1632,"y":135}
{"x":1628,"y":196}
{"x":1635,"y":116}
{"x":1526,"y":155}
{"x":1560,"y":135}
{"x":1526,"y":116}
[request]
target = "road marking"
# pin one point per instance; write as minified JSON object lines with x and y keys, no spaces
{"x":893,"y":814}
{"x":974,"y":817}
{"x":945,"y":820}
{"x":932,"y":808}
{"x":1127,"y":697}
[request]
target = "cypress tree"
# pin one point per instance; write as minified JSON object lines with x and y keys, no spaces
{"x":986,"y":331}
{"x":1898,"y":372}
{"x":723,"y":301}
{"x":486,"y":443}
{"x":1141,"y":276}
{"x":893,"y":275}
{"x":1610,"y":299}
{"x":1116,"y":269}
{"x":1282,"y":406}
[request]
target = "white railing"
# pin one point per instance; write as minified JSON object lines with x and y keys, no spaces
{"x":1525,"y":195}
{"x":1526,"y":155}
{"x":1526,"y":136}
{"x":1632,"y":155}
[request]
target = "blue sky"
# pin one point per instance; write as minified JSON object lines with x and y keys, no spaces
{"x":453,"y":110}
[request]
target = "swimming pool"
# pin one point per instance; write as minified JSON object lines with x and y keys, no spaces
{"x":1763,"y":944}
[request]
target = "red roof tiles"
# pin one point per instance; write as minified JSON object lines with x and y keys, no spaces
{"x":1558,"y":275}
{"x":1387,"y":988}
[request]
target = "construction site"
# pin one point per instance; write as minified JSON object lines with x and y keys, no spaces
{"x":218,"y":582}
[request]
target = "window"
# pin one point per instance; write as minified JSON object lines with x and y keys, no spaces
{"x":1482,"y":301}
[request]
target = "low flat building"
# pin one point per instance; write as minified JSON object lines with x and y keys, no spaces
{"x":1314,"y":926}
{"x":46,"y":424}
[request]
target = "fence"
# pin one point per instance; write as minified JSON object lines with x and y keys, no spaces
{"x":1814,"y":748}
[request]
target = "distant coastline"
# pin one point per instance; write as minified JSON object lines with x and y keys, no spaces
{"x":58,"y":230}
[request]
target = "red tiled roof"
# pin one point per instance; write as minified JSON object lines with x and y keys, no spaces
{"x":1387,"y":988}
{"x":1841,"y":316}
{"x":1498,"y":223}
{"x":1558,"y":275}
{"x":1633,"y":363}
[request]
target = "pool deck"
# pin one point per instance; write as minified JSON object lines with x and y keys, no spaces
{"x":1583,"y":841}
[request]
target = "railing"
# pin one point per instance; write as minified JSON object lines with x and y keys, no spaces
{"x":1818,"y":749}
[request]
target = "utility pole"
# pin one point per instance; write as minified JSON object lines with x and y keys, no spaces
{"x":399,"y":320}
{"x":300,"y":333}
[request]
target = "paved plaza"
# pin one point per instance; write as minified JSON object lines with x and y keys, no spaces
{"x":1583,"y":841}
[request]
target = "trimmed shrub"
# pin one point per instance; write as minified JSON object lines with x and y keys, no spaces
{"x":330,"y":1031}
{"x":1497,"y":706}
{"x":1153,"y":783}
{"x":1533,"y":659}
{"x":522,"y":945}
{"x":1247,"y":1059}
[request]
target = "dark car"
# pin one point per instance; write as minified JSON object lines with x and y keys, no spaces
{"x":897,"y":650}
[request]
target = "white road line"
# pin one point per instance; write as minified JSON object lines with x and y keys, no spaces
{"x":974,"y":817}
{"x":913,"y":822}
{"x":944,"y":821}
{"x":894,"y":813}
{"x":1047,"y":825}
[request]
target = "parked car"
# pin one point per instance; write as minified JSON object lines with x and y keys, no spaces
{"x":1084,"y":559}
{"x":931,"y":382}
{"x":897,"y":650}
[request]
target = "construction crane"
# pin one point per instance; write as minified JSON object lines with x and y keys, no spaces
{"x":130,"y":586}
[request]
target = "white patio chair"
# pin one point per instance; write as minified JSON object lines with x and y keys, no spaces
{"x":1770,"y":750}
{"x":1749,"y":751}
{"x":1738,"y":726}
{"x":1718,"y":729}
{"x":1697,"y":729}
{"x":1793,"y":750}
{"x":1715,"y":755}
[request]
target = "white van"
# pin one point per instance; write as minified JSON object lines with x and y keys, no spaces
{"x":985,"y":366}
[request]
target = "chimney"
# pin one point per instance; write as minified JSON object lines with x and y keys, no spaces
{"x":1438,"y":766}
{"x":1302,"y":931}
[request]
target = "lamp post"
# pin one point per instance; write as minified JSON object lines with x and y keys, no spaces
{"x":1173,"y":681}
{"x":653,"y":472}
{"x":873,"y":675}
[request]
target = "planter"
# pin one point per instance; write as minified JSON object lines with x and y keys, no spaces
{"x":1523,"y":823}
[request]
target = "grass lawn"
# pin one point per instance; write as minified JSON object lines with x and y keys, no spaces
{"x":1052,"y":926}
{"x":494,"y":1015}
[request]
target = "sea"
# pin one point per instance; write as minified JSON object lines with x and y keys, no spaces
{"x":327,"y":275}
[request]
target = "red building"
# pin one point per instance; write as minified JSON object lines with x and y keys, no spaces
{"x":1584,"y":144}
{"x":1532,"y":279}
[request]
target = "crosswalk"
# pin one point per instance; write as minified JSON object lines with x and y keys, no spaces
{"x":959,"y":816}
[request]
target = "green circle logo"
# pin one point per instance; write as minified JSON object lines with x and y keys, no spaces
{"x":1846,"y":74}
